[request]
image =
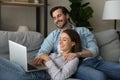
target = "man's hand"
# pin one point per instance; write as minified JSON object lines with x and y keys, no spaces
{"x":70,"y":56}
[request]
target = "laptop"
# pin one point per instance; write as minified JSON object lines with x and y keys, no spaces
{"x":18,"y":54}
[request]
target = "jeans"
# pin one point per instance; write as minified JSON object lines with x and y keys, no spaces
{"x":98,"y":69}
{"x":12,"y":71}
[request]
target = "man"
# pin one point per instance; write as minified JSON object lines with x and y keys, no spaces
{"x":92,"y":67}
{"x":62,"y":21}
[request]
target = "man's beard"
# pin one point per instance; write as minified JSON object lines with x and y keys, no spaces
{"x":63,"y":26}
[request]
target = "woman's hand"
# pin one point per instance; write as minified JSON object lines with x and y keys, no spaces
{"x":41,"y":59}
{"x":38,"y":61}
{"x":45,"y":57}
{"x":70,"y":56}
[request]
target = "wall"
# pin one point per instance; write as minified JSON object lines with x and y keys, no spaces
{"x":13,"y":17}
{"x":97,"y":22}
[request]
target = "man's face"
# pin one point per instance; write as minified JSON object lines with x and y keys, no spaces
{"x":60,"y":19}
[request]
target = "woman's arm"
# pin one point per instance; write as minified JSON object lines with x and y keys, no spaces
{"x":61,"y":74}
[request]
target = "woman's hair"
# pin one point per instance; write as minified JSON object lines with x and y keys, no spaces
{"x":74,"y":36}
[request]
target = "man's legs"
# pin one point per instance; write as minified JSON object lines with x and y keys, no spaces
{"x":87,"y":70}
{"x":88,"y":73}
{"x":112,"y":70}
{"x":97,"y":69}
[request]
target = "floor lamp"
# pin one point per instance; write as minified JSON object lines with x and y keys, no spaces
{"x":112,"y":11}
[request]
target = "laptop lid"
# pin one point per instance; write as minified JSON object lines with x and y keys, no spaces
{"x":18,"y":54}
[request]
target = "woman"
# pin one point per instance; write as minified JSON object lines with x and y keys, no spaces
{"x":58,"y":68}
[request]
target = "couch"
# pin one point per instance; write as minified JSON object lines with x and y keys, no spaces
{"x":109,"y":45}
{"x":108,"y":42}
{"x":32,"y":40}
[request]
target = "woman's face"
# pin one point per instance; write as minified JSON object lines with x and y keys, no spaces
{"x":65,"y":43}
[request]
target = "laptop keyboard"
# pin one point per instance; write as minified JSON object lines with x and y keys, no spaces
{"x":30,"y":67}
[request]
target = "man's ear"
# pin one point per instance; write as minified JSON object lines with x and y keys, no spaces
{"x":67,"y":16}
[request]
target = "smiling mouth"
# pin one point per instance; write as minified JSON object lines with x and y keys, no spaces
{"x":59,"y":23}
{"x":61,"y":46}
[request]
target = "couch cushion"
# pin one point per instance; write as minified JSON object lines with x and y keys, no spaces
{"x":32,"y":40}
{"x":109,"y":44}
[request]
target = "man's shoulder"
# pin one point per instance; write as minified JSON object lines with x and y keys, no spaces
{"x":54,"y":32}
{"x":81,"y":29}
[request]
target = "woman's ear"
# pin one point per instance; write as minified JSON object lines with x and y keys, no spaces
{"x":73,"y":43}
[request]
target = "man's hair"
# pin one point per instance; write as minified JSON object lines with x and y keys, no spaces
{"x":64,"y":10}
{"x":74,"y":36}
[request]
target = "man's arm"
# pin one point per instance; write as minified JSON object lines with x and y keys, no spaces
{"x":82,"y":55}
{"x":89,"y":43}
{"x":46,"y":46}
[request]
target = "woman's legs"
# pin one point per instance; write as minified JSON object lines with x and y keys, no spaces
{"x":12,"y":71}
{"x":9,"y":70}
{"x":41,"y":75}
